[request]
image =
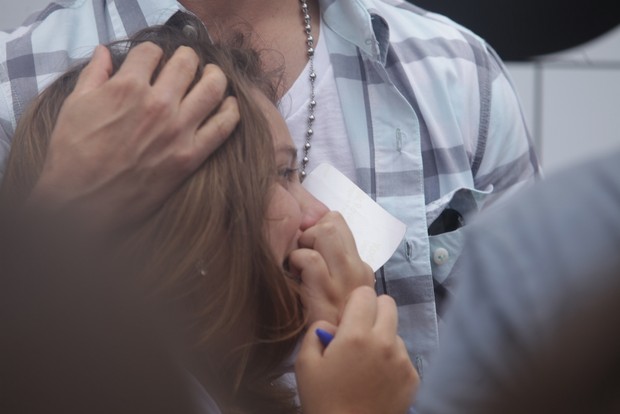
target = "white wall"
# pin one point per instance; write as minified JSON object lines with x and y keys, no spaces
{"x":572,"y":99}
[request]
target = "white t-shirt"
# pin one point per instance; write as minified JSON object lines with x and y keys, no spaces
{"x":330,"y":143}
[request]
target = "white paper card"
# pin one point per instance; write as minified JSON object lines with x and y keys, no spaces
{"x":377,"y":233}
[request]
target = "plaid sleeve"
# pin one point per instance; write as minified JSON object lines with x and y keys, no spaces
{"x":505,"y":157}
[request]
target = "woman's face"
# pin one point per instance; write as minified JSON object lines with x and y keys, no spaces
{"x":291,"y":208}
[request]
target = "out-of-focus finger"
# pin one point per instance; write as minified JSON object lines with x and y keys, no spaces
{"x":205,"y":96}
{"x":141,"y":62}
{"x":387,"y":317}
{"x":96,"y":72}
{"x":412,"y":373}
{"x":400,"y":344}
{"x":177,"y":74}
{"x":215,"y":131}
{"x":360,"y":312}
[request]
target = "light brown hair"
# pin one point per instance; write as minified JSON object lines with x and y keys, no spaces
{"x":206,"y":246}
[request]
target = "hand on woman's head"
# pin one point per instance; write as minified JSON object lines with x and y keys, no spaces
{"x":122,"y":144}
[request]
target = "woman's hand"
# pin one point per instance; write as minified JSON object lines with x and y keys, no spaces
{"x":365,"y":369}
{"x":330,"y":268}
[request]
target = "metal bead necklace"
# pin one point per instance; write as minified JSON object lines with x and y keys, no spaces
{"x":312,"y":77}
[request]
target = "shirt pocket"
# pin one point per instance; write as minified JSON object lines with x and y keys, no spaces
{"x":445,"y":248}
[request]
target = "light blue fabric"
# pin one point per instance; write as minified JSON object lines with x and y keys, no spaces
{"x":430,"y":113}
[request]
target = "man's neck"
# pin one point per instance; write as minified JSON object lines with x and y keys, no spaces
{"x":276,"y":25}
{"x":252,"y":12}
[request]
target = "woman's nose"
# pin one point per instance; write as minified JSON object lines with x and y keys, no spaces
{"x":312,"y":209}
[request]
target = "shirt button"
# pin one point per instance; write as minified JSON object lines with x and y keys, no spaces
{"x":440,"y":256}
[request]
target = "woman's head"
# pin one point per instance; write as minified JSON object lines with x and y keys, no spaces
{"x":218,"y":243}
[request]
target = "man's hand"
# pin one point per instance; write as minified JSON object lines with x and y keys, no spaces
{"x":330,"y":268}
{"x":121,"y":145}
{"x":365,"y":369}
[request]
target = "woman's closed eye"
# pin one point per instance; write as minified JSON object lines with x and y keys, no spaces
{"x":288,"y":175}
{"x":286,"y":160}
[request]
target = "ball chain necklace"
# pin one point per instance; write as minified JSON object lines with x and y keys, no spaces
{"x":312,"y":77}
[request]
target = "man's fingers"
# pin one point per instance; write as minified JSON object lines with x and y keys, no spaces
{"x":216,"y":130}
{"x":96,"y":72}
{"x":387,"y":317}
{"x":178,"y":73}
{"x":360,"y":312}
{"x":141,"y":62}
{"x":205,"y":96}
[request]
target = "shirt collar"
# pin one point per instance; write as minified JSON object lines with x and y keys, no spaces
{"x":358,"y":22}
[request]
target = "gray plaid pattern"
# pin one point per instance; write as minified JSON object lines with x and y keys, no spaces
{"x":427,"y":105}
{"x":429,"y":111}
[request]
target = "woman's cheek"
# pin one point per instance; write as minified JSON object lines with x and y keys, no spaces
{"x":283,"y":222}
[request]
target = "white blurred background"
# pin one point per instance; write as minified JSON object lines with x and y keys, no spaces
{"x":571,"y":99}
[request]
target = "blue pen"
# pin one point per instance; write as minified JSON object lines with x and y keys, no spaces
{"x":324,"y":336}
